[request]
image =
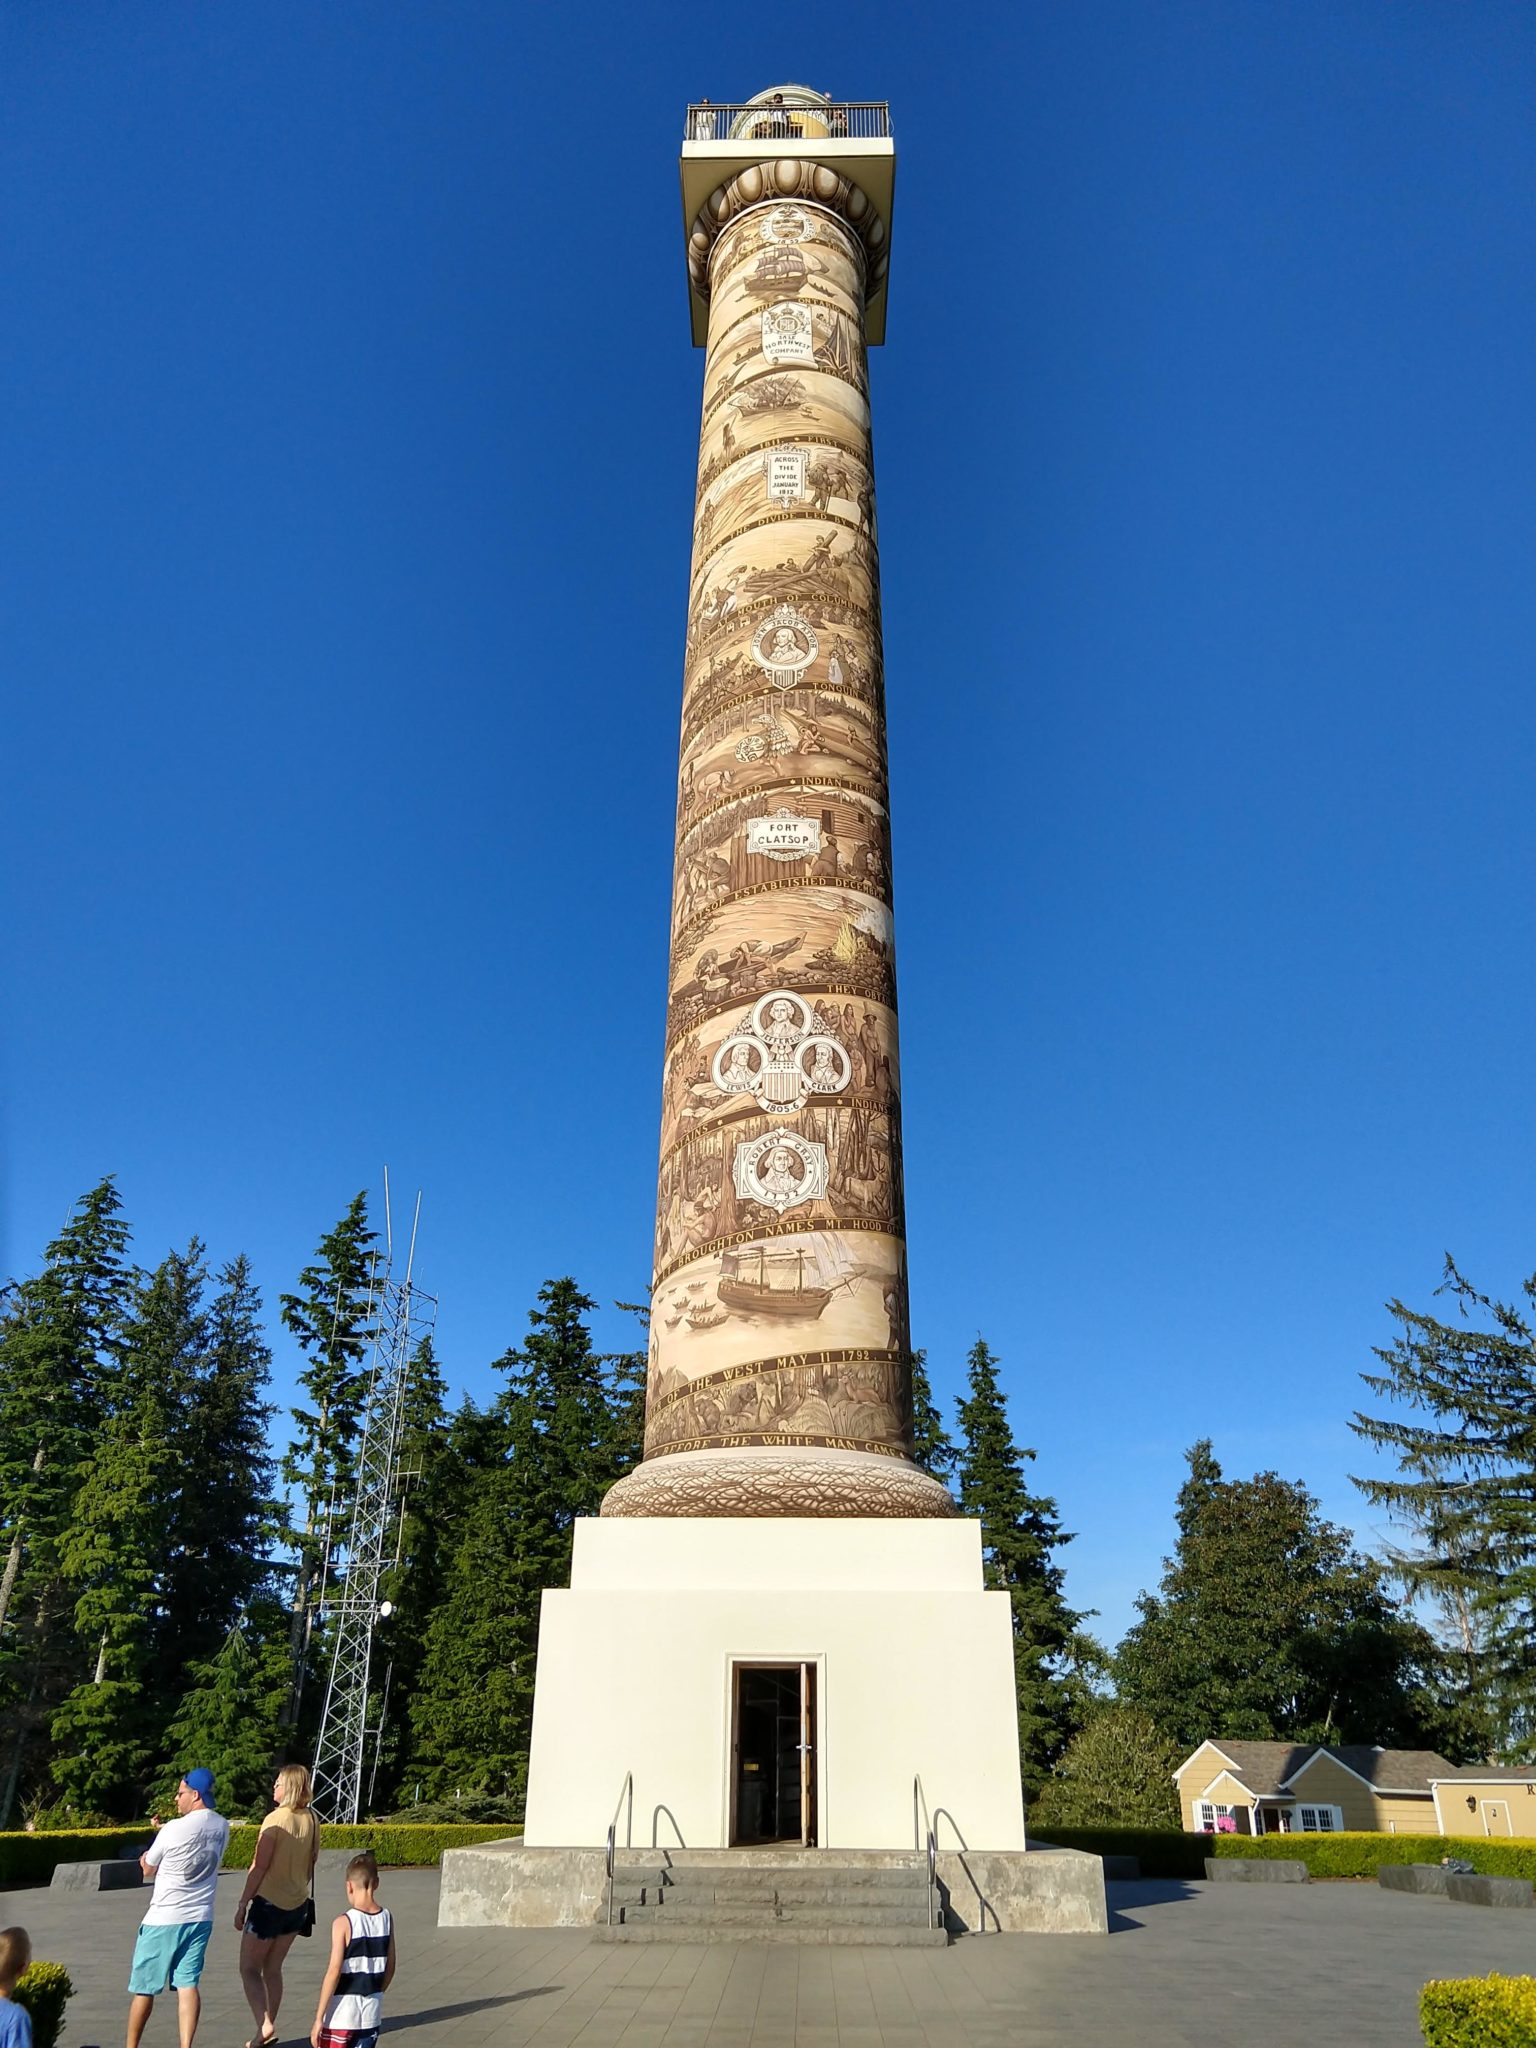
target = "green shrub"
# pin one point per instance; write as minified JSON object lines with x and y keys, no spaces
{"x":44,"y":1989}
{"x":477,"y":1809}
{"x":30,"y":1859}
{"x":1479,"y":2012}
{"x":1173,"y":1854}
{"x":1361,"y":1855}
{"x":63,"y":1817}
{"x":1162,"y":1852}
{"x":410,"y":1846}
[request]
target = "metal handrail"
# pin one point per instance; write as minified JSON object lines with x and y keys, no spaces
{"x":932,"y":1845}
{"x":671,"y":1816}
{"x":831,"y":121}
{"x":626,"y":1789}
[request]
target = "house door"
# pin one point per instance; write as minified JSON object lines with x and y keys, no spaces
{"x":773,"y":1795}
{"x":1496,"y":1817}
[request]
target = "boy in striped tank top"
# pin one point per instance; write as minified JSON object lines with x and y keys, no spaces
{"x":361,"y":1966}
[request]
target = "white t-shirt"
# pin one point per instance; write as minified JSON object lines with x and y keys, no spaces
{"x":185,"y":1857}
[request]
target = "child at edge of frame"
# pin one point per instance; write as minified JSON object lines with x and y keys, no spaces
{"x":15,"y":2020}
{"x":362,"y":1964}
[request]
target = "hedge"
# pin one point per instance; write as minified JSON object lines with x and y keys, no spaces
{"x":1168,"y":1853}
{"x":398,"y":1843}
{"x":1361,"y":1855}
{"x":1161,"y":1852}
{"x":30,"y":1859}
{"x":44,"y":1989}
{"x":1479,"y":2012}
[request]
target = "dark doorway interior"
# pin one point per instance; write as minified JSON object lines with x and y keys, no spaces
{"x":775,"y":1791}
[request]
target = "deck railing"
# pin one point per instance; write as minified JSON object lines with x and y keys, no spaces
{"x":837,"y":121}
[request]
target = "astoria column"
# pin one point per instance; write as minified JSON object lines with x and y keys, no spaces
{"x":780,"y":1370}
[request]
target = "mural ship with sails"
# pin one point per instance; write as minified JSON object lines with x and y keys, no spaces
{"x":778,"y":270}
{"x":771,"y":1283}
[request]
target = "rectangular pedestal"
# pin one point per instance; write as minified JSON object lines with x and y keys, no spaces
{"x":909,"y":1683}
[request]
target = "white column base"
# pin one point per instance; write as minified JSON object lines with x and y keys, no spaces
{"x":914,"y":1666}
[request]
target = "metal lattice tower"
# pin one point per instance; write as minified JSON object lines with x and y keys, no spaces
{"x":405,"y":1317}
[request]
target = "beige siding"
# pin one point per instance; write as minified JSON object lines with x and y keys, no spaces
{"x":1323,"y":1782}
{"x":1192,"y":1780}
{"x":1520,"y":1800}
{"x":1397,"y":1813}
{"x":1211,"y":1782}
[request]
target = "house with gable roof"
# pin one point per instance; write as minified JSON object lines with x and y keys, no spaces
{"x":1266,"y":1788}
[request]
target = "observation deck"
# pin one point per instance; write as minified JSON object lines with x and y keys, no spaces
{"x":851,"y":137}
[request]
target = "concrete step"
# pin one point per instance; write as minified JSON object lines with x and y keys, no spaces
{"x":752,"y":1916}
{"x":802,"y":1934}
{"x":768,"y":1883}
{"x":795,"y":1899}
{"x":794,"y":1893}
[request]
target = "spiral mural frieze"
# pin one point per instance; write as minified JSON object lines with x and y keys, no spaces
{"x":779,"y":1376}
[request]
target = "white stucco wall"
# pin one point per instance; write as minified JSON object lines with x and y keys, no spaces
{"x":914,"y":1663}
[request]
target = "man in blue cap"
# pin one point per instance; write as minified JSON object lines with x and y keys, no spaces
{"x":184,"y":1860}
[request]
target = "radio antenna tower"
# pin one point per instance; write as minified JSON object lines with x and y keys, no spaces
{"x":404,"y":1317}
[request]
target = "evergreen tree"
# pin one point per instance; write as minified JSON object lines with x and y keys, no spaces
{"x":561,"y":1448}
{"x":473,"y":1711}
{"x":1117,"y":1772}
{"x":331,"y":1319}
{"x":628,"y":1372}
{"x":1464,"y":1437}
{"x":222,"y":1522}
{"x":1270,"y":1626}
{"x":116,"y":1551}
{"x":433,"y":1484}
{"x":58,"y":1356}
{"x":1020,"y":1531}
{"x":563,"y":1429}
{"x":933,"y":1448}
{"x":228,"y":1719}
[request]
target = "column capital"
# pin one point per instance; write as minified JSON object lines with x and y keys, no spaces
{"x":783,"y":180}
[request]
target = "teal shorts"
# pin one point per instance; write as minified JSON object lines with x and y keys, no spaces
{"x":168,"y":1957}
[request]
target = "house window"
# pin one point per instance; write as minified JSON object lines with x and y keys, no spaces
{"x":1213,"y":1820}
{"x":1319,"y":1820}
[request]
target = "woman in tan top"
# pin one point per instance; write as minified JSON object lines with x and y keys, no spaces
{"x":274,"y":1905}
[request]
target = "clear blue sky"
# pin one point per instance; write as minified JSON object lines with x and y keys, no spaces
{"x":348,"y":444}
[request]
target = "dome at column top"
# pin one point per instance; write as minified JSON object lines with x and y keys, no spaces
{"x":794,"y":95}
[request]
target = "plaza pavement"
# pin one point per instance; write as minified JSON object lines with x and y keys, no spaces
{"x":1212,"y":1966}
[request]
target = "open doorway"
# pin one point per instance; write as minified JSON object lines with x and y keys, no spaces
{"x":773,"y":1750}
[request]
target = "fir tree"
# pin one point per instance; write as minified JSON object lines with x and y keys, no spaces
{"x":473,"y":1711}
{"x":433,"y":1484}
{"x":58,"y":1356}
{"x":1020,"y":1531}
{"x":1464,"y":1438}
{"x":933,"y":1448}
{"x":561,"y":1448}
{"x":1269,"y":1625}
{"x":228,"y":1718}
{"x":628,"y":1372}
{"x":223,"y":1522}
{"x":562,"y":1422}
{"x":115,"y":1553}
{"x":331,"y":1319}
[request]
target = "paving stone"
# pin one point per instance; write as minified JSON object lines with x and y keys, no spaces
{"x":1368,"y":1951}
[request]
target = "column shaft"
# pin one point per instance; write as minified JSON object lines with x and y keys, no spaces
{"x":780,"y":1369}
